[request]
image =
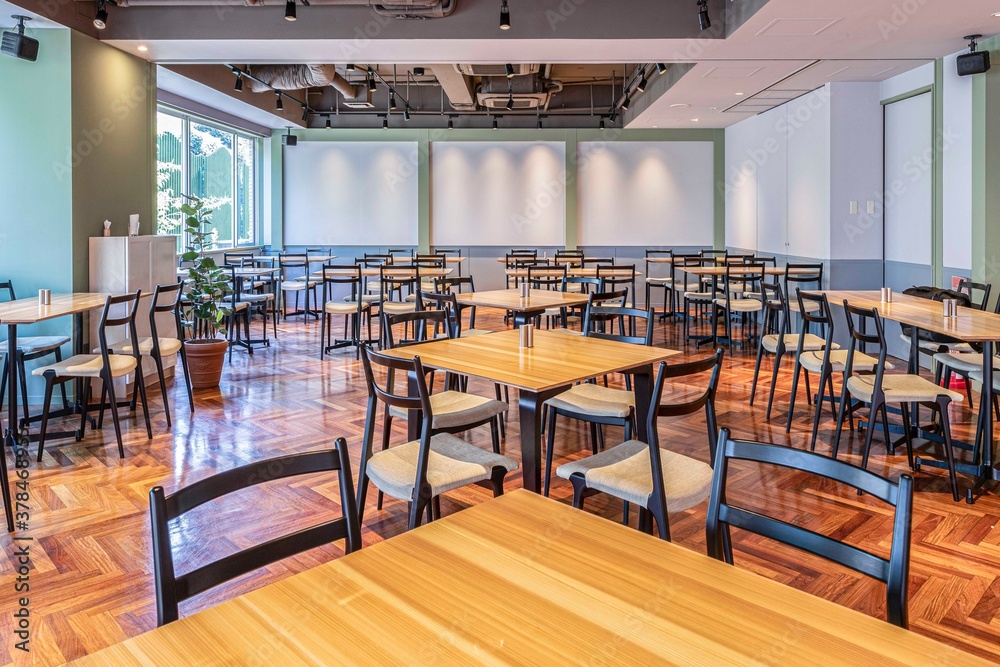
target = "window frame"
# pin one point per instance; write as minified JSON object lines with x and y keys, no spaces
{"x":257,"y":140}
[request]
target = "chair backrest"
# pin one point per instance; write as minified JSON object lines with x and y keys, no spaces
{"x":172,"y":589}
{"x":429,"y":261}
{"x":9,"y":286}
{"x":419,"y":319}
{"x":629,"y":333}
{"x":342,"y":274}
{"x":746,"y":276}
{"x":585,"y":282}
{"x":713,"y":254}
{"x":722,"y":514}
{"x":597,"y":262}
{"x":166,"y":299}
{"x":616,"y":276}
{"x":980,"y":301}
{"x":532,"y":252}
{"x":766,"y":261}
{"x":374,"y":260}
{"x":237,"y":258}
{"x":703,"y":400}
{"x":776,"y":315}
{"x":814,"y":308}
{"x":868,"y":319}
{"x":798,"y":275}
{"x":395,"y":277}
{"x":448,"y":284}
{"x":453,"y":252}
{"x":397,"y":253}
{"x":130,"y":302}
{"x":548,"y":277}
{"x":297,"y":262}
{"x":569,"y":257}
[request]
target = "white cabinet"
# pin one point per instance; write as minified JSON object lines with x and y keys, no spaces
{"x":122,"y":264}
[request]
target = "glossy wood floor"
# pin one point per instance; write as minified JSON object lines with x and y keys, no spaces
{"x":91,"y":583}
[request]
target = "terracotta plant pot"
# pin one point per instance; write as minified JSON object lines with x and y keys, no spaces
{"x":205,"y":357}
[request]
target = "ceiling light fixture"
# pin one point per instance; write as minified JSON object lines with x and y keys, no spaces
{"x":601,"y":126}
{"x":661,"y":68}
{"x":679,"y":105}
{"x":704,"y":23}
{"x":738,"y":94}
{"x":509,"y":70}
{"x":418,"y":71}
{"x":642,"y":84}
{"x":614,"y":115}
{"x":504,"y":16}
{"x":406,"y":113}
{"x":392,"y":101}
{"x":239,"y":82}
{"x":495,"y":124}
{"x":143,"y":48}
{"x":349,"y":67}
{"x":451,"y":123}
{"x":290,"y":10}
{"x":694,"y":120}
{"x":305,"y":114}
{"x":385,"y":122}
{"x":372,"y":84}
{"x":277,"y":101}
{"x":625,"y":103}
{"x":328,"y":123}
{"x":101,"y":17}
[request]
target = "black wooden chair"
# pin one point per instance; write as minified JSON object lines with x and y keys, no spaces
{"x":664,"y":282}
{"x":658,"y":480}
{"x":722,"y":515}
{"x":408,"y":472}
{"x":353,"y":307}
{"x":172,"y":589}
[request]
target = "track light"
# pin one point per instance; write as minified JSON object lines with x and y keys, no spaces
{"x":328,"y":124}
{"x":372,"y":84}
{"x":349,"y":67}
{"x":504,"y":16}
{"x":101,"y":17}
{"x":509,"y":70}
{"x":290,"y":10}
{"x":495,"y":124}
{"x":614,"y":115}
{"x":277,"y":101}
{"x":239,"y":82}
{"x":704,"y":23}
{"x":406,"y":113}
{"x":385,"y":122}
{"x":642,"y":84}
{"x":305,"y":114}
{"x":661,"y":68}
{"x":392,"y":101}
{"x":626,"y":103}
{"x":601,"y":126}
{"x":451,"y":123}
{"x":510,"y":102}
{"x":539,"y":123}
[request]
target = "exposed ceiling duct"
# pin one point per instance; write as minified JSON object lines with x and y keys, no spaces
{"x":297,"y":77}
{"x":402,"y":9}
{"x":517,"y":94}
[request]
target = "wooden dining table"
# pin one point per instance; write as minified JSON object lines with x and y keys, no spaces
{"x":524,"y":309}
{"x":556,"y":362}
{"x":29,"y":311}
{"x":970,"y":325}
{"x":524,"y":580}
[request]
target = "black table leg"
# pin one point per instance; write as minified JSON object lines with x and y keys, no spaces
{"x":10,"y":437}
{"x":987,"y":472}
{"x":529,"y":407}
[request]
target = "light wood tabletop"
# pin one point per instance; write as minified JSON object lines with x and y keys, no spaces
{"x":510,"y":299}
{"x":524,"y":580}
{"x":739,"y":268}
{"x":578,"y":272}
{"x":312,"y":258}
{"x":971,"y":324}
{"x":28,"y":311}
{"x":556,"y":360}
{"x":241,"y":271}
{"x":374,"y":272}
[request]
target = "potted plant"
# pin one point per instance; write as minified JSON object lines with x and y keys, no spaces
{"x":207,"y":288}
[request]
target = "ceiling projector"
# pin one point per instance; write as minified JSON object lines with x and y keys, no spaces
{"x":16,"y":44}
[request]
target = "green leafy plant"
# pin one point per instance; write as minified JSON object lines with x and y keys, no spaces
{"x":209,"y":282}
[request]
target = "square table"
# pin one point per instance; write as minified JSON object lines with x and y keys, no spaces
{"x":536,"y":304}
{"x":29,"y":311}
{"x":972,"y":326}
{"x":556,"y":361}
{"x":524,"y":580}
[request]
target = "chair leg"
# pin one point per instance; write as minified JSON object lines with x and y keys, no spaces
{"x":100,"y":414}
{"x":24,"y":389}
{"x":187,"y":378}
{"x":904,"y":410}
{"x":503,"y":416}
{"x":49,"y":382}
{"x":756,"y":372}
{"x":3,"y":380}
{"x":942,"y":406}
{"x":579,"y":486}
{"x":163,"y":387}
{"x":824,"y":378}
{"x":145,"y":403}
{"x":550,"y":446}
{"x":495,"y":434}
{"x":872,"y":417}
{"x":386,"y":428}
{"x":844,"y":398}
{"x":774,"y":381}
{"x":114,"y":413}
{"x":795,"y":389}
{"x":885,"y":429}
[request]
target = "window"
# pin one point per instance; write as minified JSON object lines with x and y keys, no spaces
{"x":215,"y":163}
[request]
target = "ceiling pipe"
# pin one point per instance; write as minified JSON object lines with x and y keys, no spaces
{"x":403,"y":9}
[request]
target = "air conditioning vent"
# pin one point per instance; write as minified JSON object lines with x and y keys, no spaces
{"x":358,"y":104}
{"x":499,"y":102}
{"x":493,"y":69}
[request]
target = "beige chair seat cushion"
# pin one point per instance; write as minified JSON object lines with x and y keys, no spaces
{"x":931,"y":346}
{"x":35,"y":344}
{"x":451,"y":464}
{"x":168,"y":346}
{"x":367,"y":298}
{"x":298,"y":285}
{"x":813,"y":361}
{"x":811,"y":306}
{"x":699,"y":296}
{"x":964,"y":362}
{"x":595,"y":400}
{"x":624,"y":472}
{"x":344,"y":307}
{"x":741,"y":305}
{"x":256,"y":298}
{"x":228,"y":305}
{"x":89,"y":366}
{"x":659,"y":281}
{"x":456,"y":408}
{"x":398,"y":307}
{"x":811,"y":342}
{"x":978,"y":377}
{"x":899,"y":389}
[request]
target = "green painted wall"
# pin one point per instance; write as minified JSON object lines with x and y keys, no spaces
{"x":986,"y":172}
{"x":425,"y":137}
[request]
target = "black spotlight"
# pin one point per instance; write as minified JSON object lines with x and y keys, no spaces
{"x":451,"y":124}
{"x":601,"y":126}
{"x":661,"y":68}
{"x":328,"y":124}
{"x":392,"y":101}
{"x":538,"y":125}
{"x":510,"y":102}
{"x":372,"y":84}
{"x":642,"y":84}
{"x":277,"y":101}
{"x":509,"y":70}
{"x":305,"y":114}
{"x":418,"y":71}
{"x":239,"y":83}
{"x":290,"y":10}
{"x":385,"y":122}
{"x":504,"y":16}
{"x":406,"y":113}
{"x":17,"y":44}
{"x":626,"y":103}
{"x":614,"y":115}
{"x":704,"y":23}
{"x":349,"y":67}
{"x":101,"y":17}
{"x":495,"y":124}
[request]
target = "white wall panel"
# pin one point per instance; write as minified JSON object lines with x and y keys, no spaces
{"x":646,"y":193}
{"x":741,"y":184}
{"x":908,"y":180}
{"x":771,"y":154}
{"x":498,"y":193}
{"x":957,"y":156}
{"x":808,"y":133}
{"x":350,"y":193}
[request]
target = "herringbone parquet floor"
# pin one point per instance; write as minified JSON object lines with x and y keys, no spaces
{"x":91,"y":581}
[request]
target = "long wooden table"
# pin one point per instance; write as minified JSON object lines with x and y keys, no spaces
{"x":578,"y":272}
{"x":524,"y":580}
{"x":972,"y":326}
{"x":28,"y":311}
{"x":555,"y":362}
